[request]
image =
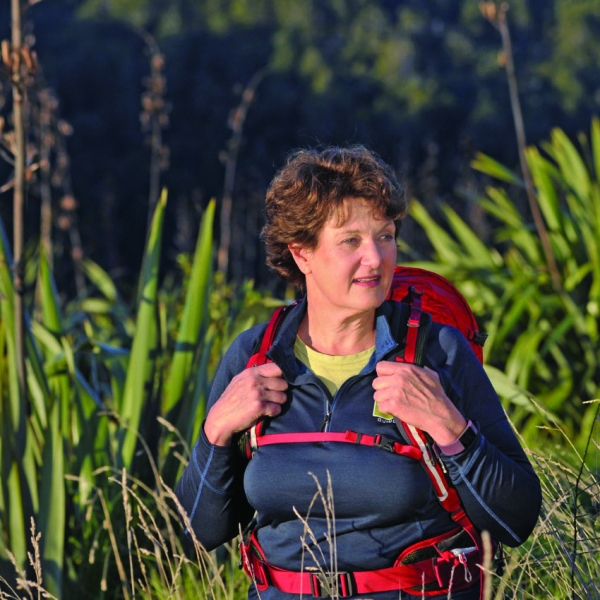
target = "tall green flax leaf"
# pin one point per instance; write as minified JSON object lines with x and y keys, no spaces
{"x":52,"y":511}
{"x":144,"y":346}
{"x":489,"y":166}
{"x":14,"y":486}
{"x":189,"y":327}
{"x":52,"y":514}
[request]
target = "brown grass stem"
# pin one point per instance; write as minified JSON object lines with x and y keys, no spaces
{"x":18,"y":87}
{"x":114,"y":545}
{"x":237,"y":119}
{"x":522,"y":144}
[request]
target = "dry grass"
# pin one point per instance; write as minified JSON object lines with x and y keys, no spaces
{"x":150,"y":557}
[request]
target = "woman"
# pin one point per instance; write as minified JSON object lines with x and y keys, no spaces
{"x":334,"y":518}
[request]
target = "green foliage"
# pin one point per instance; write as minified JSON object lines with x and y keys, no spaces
{"x":328,"y":41}
{"x":95,"y":392}
{"x":19,"y":482}
{"x":568,"y":67}
{"x":544,"y":340}
{"x":191,"y":319}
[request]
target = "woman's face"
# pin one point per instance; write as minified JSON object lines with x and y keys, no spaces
{"x":351,"y":268}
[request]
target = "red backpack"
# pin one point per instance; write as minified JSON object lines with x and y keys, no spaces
{"x":426,"y":297}
{"x":431,"y":293}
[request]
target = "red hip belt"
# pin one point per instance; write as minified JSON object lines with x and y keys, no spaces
{"x":428,"y":568}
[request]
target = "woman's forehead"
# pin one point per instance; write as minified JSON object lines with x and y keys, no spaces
{"x":352,"y":208}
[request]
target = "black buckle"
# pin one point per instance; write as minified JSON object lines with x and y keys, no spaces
{"x":385,"y":443}
{"x":331,"y":585}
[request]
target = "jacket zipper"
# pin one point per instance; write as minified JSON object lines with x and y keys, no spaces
{"x":325,"y":425}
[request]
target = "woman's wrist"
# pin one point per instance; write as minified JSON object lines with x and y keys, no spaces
{"x":215,"y":434}
{"x":448,"y":430}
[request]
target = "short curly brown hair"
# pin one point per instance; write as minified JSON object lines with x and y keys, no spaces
{"x":311,"y":187}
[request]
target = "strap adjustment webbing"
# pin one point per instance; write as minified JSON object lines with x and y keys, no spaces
{"x":350,"y":437}
{"x":414,"y":320}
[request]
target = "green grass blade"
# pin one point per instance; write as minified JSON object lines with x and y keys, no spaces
{"x":507,"y":389}
{"x":487,"y":165}
{"x":498,"y":204}
{"x":546,"y":190}
{"x":38,"y":386}
{"x":51,"y":313}
{"x":53,"y":322}
{"x":189,"y":328}
{"x":52,"y":512}
{"x":143,"y":348}
{"x":15,"y":407}
{"x":480,"y":254}
{"x":572,"y":166}
{"x":596,"y":146}
{"x":192,"y":415}
{"x":90,"y":449}
{"x":446,"y":248}
{"x":100,"y":279}
{"x":15,"y":514}
{"x":18,"y":495}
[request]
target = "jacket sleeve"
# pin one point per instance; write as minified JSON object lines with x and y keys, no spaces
{"x":211,"y":488}
{"x":496,"y":483}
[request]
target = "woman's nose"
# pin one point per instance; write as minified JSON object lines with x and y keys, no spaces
{"x":371,"y":253}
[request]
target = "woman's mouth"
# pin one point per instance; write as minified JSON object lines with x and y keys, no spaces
{"x":372,"y":281}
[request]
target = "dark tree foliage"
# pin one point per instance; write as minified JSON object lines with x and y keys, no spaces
{"x":419,"y":82}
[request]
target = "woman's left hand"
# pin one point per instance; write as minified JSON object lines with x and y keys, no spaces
{"x":414,"y":395}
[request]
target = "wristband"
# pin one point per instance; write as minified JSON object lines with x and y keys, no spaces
{"x":463,"y":440}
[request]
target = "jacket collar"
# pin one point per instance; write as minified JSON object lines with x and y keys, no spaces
{"x":282,"y":351}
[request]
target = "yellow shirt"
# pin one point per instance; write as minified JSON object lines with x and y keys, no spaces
{"x":332,"y":370}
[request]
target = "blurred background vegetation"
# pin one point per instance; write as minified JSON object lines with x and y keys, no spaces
{"x":422,"y":83}
{"x":130,"y":296}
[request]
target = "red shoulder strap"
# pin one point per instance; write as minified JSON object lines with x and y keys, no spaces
{"x":445,"y":491}
{"x":414,"y":322}
{"x":260,"y":355}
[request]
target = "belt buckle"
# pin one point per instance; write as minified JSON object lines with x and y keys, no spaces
{"x":331,"y":585}
{"x":384,"y":442}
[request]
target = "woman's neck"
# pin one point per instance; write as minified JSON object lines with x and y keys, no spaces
{"x":338,"y":337}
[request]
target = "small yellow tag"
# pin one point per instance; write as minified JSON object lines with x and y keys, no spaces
{"x":381,"y":415}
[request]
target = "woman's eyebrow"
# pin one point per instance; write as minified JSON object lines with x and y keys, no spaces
{"x":346,"y":231}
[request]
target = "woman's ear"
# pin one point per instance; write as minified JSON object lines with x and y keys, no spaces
{"x":301,"y":257}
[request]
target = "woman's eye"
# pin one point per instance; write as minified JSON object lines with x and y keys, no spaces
{"x":351,"y":240}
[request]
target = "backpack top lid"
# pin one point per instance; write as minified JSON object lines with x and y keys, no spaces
{"x":441,"y":300}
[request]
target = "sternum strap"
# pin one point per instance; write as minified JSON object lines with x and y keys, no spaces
{"x":349,"y":437}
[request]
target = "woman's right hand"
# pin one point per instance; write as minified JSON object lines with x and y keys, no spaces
{"x":252,"y":394}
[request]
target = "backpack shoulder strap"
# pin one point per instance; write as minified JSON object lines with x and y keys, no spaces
{"x":410,"y":326}
{"x":259,"y":356}
{"x":412,"y":334}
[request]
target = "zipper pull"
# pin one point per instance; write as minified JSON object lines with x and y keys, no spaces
{"x":439,"y":459}
{"x":462,"y":559}
{"x":326,"y":421}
